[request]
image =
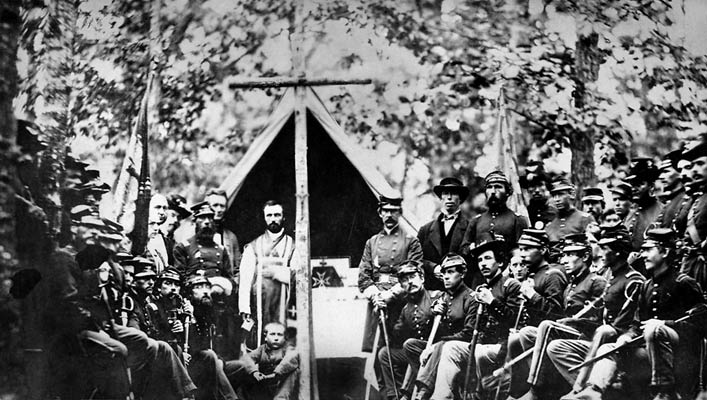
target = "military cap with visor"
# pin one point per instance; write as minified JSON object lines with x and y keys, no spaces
{"x":410,"y":267}
{"x":592,"y":194}
{"x":453,"y":261}
{"x":390,"y":203}
{"x":695,"y":151}
{"x":575,"y":242}
{"x":170,"y":274}
{"x":202,"y":209}
{"x":534,"y":238}
{"x":561,"y":185}
{"x":664,"y":237}
{"x":643,"y":169}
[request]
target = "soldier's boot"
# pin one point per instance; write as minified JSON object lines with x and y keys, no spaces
{"x":532,"y":394}
{"x":590,"y":392}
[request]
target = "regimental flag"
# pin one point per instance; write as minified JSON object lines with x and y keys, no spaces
{"x":507,"y":160}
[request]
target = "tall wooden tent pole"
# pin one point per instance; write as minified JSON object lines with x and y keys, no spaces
{"x":305,"y":332}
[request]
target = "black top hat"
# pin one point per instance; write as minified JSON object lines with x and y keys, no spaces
{"x":695,"y":151}
{"x":659,"y":237}
{"x":453,"y":185}
{"x":593,"y":194}
{"x":643,"y":169}
{"x":410,"y":267}
{"x":202,"y":209}
{"x":390,"y":202}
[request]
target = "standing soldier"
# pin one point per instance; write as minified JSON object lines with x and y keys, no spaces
{"x":201,"y":253}
{"x":498,"y":220}
{"x":141,"y":293}
{"x":266,"y":271}
{"x":569,"y":220}
{"x":383,"y":255}
{"x":695,"y":237}
{"x":593,"y":202}
{"x":621,"y":196}
{"x":671,"y":192}
{"x":670,"y":347}
{"x":619,"y":307}
{"x":218,"y":200}
{"x":445,"y":233}
{"x":536,"y":181}
{"x":646,"y":207}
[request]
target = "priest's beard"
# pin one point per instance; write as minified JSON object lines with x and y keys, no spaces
{"x":274,"y":227}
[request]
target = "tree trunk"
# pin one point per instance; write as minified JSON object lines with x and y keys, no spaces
{"x":55,"y":89}
{"x":586,"y":69}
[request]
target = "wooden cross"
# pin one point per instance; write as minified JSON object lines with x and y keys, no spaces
{"x":308,"y":372}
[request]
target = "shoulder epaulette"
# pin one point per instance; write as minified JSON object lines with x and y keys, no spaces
{"x":477,"y":216}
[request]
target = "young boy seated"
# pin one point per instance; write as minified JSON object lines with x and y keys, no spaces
{"x":270,"y":371}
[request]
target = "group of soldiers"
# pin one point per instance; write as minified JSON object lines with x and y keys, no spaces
{"x":188,"y":318}
{"x":592,"y":303}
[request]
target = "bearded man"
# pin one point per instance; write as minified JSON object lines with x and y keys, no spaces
{"x":266,"y":271}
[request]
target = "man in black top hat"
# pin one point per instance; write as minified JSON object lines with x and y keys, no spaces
{"x":646,"y":207}
{"x":177,"y":211}
{"x":445,"y":233}
{"x":383,"y":255}
{"x":537,"y":184}
{"x":498,"y":220}
{"x":669,"y":350}
{"x":201,"y":253}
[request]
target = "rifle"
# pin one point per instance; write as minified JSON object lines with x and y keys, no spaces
{"x":470,"y":362}
{"x":381,"y":315}
{"x":631,"y":342}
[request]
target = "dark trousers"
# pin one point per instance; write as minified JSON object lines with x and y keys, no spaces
{"x":206,"y":369}
{"x":248,"y":388}
{"x":394,"y":379}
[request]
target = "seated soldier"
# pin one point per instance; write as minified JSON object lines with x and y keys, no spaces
{"x":270,"y":371}
{"x":670,"y":353}
{"x":457,"y":309}
{"x":413,"y":326}
{"x":500,"y":299}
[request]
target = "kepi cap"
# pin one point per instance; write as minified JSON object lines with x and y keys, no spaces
{"x":659,"y":237}
{"x":410,"y":267}
{"x":593,"y":194}
{"x":390,"y":202}
{"x":453,"y":261}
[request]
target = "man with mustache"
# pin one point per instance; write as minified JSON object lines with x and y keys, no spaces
{"x":266,"y":272}
{"x":382,"y":257}
{"x":413,"y":327}
{"x":445,"y":233}
{"x":497,"y":220}
{"x":670,"y":190}
{"x":646,"y":207}
{"x":201,"y":253}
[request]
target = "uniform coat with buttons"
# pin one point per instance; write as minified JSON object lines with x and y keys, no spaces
{"x":436,"y":244}
{"x":382,"y":256}
{"x":415,"y":320}
{"x":638,"y":220}
{"x":564,"y":224}
{"x":676,"y":203}
{"x":541,"y":212}
{"x":549,"y":283}
{"x":584,"y":287}
{"x":619,"y":313}
{"x":190,"y":257}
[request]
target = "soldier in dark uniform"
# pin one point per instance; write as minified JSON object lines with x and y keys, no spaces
{"x":445,"y":233}
{"x":694,"y":248}
{"x":141,"y":293}
{"x":498,"y":220}
{"x":500,"y":297}
{"x":457,"y":309}
{"x":581,"y":304}
{"x":167,"y":319}
{"x":542,"y":295}
{"x":621,"y":195}
{"x":204,"y":365}
{"x":593,"y":202}
{"x":201,"y":253}
{"x":412,"y":327}
{"x":537,"y":183}
{"x":569,"y":220}
{"x":177,"y":211}
{"x":670,"y":350}
{"x":619,"y":307}
{"x":382,"y":256}
{"x":645,"y":206}
{"x":671,"y":192}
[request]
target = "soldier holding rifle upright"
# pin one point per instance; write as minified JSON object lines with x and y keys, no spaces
{"x":668,"y":352}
